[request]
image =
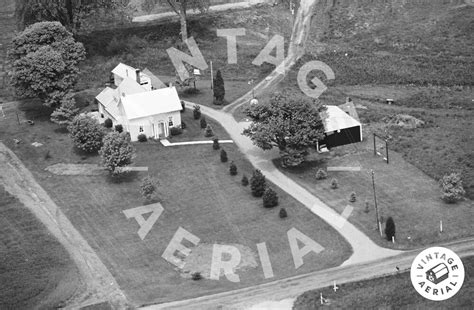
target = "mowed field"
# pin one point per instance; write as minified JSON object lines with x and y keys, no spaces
{"x":197,"y":194}
{"x":403,"y":192}
{"x":35,"y":269}
{"x":393,"y":292}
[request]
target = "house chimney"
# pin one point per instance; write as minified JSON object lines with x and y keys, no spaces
{"x":137,"y":71}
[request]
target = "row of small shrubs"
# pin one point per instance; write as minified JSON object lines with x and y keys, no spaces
{"x":257,"y":181}
{"x":109,"y":124}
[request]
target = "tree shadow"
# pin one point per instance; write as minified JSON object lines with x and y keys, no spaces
{"x":302,"y":168}
{"x":35,"y":110}
{"x":61,"y":130}
{"x":126,"y":177}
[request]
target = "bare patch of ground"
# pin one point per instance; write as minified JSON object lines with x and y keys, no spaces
{"x":201,"y":257}
{"x":404,"y":121}
{"x":75,"y":169}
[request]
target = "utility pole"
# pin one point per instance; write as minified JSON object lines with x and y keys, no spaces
{"x":212,"y":77}
{"x":375,"y":203}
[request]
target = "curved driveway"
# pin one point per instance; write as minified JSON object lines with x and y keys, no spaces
{"x":364,"y":249}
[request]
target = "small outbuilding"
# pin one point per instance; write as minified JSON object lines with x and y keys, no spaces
{"x":339,"y":128}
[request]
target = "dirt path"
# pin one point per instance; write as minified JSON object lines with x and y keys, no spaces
{"x":99,"y":285}
{"x":214,"y":8}
{"x":292,"y":287}
{"x":296,"y":50}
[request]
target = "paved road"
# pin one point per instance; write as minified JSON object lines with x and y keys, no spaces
{"x":292,"y":287}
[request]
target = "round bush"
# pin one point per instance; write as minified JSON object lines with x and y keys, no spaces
{"x":215,"y":144}
{"x":142,"y":138}
{"x":119,"y":128}
{"x":321,"y":174}
{"x":203,"y":122}
{"x":257,"y":183}
{"x":282,"y":213}
{"x":270,"y":198}
{"x":233,"y":169}
{"x":334,"y":184}
{"x":245,"y":180}
{"x":209,"y":132}
{"x":175,"y":131}
{"x":196,"y":276}
{"x":86,"y":133}
{"x":223,"y":156}
{"x":197,"y":112}
{"x":148,"y":187}
{"x":183,"y":125}
{"x":108,"y":123}
{"x":352,"y":197}
{"x":452,"y":188}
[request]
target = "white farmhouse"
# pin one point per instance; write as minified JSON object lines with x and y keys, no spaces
{"x":139,"y":107}
{"x":152,"y":113}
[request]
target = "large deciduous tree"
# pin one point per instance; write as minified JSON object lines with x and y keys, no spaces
{"x":70,"y":13}
{"x":116,"y":152}
{"x":181,"y":7}
{"x":291,"y":123}
{"x":86,"y":133}
{"x":45,"y":62}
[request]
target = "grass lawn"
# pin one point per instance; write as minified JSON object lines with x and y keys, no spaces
{"x":403,"y":192}
{"x":194,"y":132}
{"x":204,"y":95}
{"x":197,"y":194}
{"x":35,"y":269}
{"x":145,"y":46}
{"x":392,"y":292}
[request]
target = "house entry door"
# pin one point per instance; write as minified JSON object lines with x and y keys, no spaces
{"x":161,"y":130}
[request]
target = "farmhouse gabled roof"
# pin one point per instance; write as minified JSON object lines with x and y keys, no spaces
{"x":150,"y":103}
{"x":124,"y":71}
{"x":108,"y":98}
{"x":129,"y":87}
{"x":336,"y":119}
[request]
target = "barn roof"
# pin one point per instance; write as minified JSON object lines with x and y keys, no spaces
{"x":336,"y":119}
{"x":150,"y":103}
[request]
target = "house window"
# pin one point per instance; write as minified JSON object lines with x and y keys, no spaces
{"x":170,"y":121}
{"x":140,"y":129}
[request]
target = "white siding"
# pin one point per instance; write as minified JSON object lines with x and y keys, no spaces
{"x":150,"y":125}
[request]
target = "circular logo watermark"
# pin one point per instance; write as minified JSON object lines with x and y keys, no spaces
{"x":437,"y":273}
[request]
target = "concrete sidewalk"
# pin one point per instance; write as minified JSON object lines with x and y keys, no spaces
{"x":165,"y":142}
{"x":214,"y":8}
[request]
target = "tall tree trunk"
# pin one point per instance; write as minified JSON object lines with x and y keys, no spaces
{"x":184,"y":26}
{"x":70,"y":13}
